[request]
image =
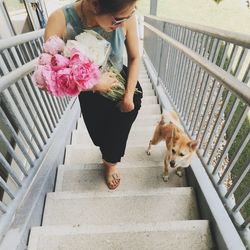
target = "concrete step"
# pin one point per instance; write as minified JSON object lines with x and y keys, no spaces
{"x":148,"y":92}
{"x":145,"y":82}
{"x":178,"y":235}
{"x":149,"y":109}
{"x":150,"y":120}
{"x":146,"y":86}
{"x":149,"y":100}
{"x":138,"y":135}
{"x":86,"y":178}
{"x":112,"y":208}
{"x":134,"y":156}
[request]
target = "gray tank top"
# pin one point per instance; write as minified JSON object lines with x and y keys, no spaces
{"x":116,"y":37}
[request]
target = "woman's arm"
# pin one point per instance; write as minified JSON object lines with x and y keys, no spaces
{"x":56,"y":25}
{"x":132,"y":47}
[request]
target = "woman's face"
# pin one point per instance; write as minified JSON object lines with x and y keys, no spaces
{"x":110,"y":22}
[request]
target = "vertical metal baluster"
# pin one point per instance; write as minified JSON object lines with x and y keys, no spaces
{"x":186,"y":67}
{"x":176,"y":63}
{"x":57,"y":108}
{"x":20,"y":55}
{"x":41,"y":105}
{"x":6,"y":189}
{"x":3,"y":207}
{"x":24,"y":119}
{"x":190,"y":81}
{"x":36,"y":104}
{"x":188,"y":73}
{"x":5,"y":63}
{"x":33,"y":118}
{"x":181,"y":70}
{"x":242,"y":57}
{"x":24,"y":53}
{"x":13,"y":58}
{"x":13,"y":153}
{"x":183,"y":76}
{"x":53,"y":108}
{"x":29,"y":49}
{"x":172,"y":56}
{"x":172,"y":59}
{"x":15,"y":136}
{"x":34,"y":48}
{"x":167,"y":81}
{"x":48,"y":108}
{"x":60,"y":105}
{"x":9,"y":170}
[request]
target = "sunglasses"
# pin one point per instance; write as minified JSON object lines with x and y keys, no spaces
{"x":117,"y":21}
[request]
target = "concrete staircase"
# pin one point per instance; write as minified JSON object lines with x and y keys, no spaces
{"x":142,"y":213}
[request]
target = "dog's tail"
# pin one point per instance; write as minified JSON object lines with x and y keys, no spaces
{"x":162,"y":121}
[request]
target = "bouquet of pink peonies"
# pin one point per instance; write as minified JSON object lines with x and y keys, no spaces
{"x":67,"y":69}
{"x":64,"y":75}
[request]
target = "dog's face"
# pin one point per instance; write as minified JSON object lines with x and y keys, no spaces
{"x":180,"y":148}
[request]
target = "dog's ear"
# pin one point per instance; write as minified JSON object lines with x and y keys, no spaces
{"x":193,"y":144}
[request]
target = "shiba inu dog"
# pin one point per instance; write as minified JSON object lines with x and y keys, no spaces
{"x":179,"y":147}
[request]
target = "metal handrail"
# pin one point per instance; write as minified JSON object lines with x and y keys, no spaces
{"x":7,"y":80}
{"x":229,"y":36}
{"x":20,"y":39}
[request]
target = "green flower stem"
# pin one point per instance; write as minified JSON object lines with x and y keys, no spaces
{"x":118,"y":91}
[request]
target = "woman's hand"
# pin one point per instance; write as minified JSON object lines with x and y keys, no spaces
{"x":106,"y":82}
{"x":127,"y":103}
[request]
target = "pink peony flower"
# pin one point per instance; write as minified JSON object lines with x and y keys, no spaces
{"x":50,"y":79}
{"x":38,"y":77}
{"x":54,"y":45}
{"x":64,"y":82}
{"x":59,"y":62}
{"x":44,"y":59}
{"x":85,"y":74}
{"x":76,"y":57}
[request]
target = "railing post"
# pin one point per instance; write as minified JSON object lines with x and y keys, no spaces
{"x":153,"y":7}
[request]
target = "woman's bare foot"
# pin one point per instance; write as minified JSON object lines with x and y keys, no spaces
{"x":111,"y":174}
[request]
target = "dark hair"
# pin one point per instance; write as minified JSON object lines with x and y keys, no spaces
{"x":113,"y":6}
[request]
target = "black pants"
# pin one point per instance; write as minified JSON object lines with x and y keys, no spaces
{"x":108,"y":127}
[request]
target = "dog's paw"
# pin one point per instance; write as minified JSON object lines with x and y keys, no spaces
{"x":179,"y":173}
{"x":165,"y":178}
{"x":148,"y":152}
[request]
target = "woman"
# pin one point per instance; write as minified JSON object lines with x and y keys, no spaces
{"x":108,"y":123}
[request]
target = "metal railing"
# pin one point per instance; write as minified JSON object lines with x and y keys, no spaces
{"x":28,"y":119}
{"x":205,"y":73}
